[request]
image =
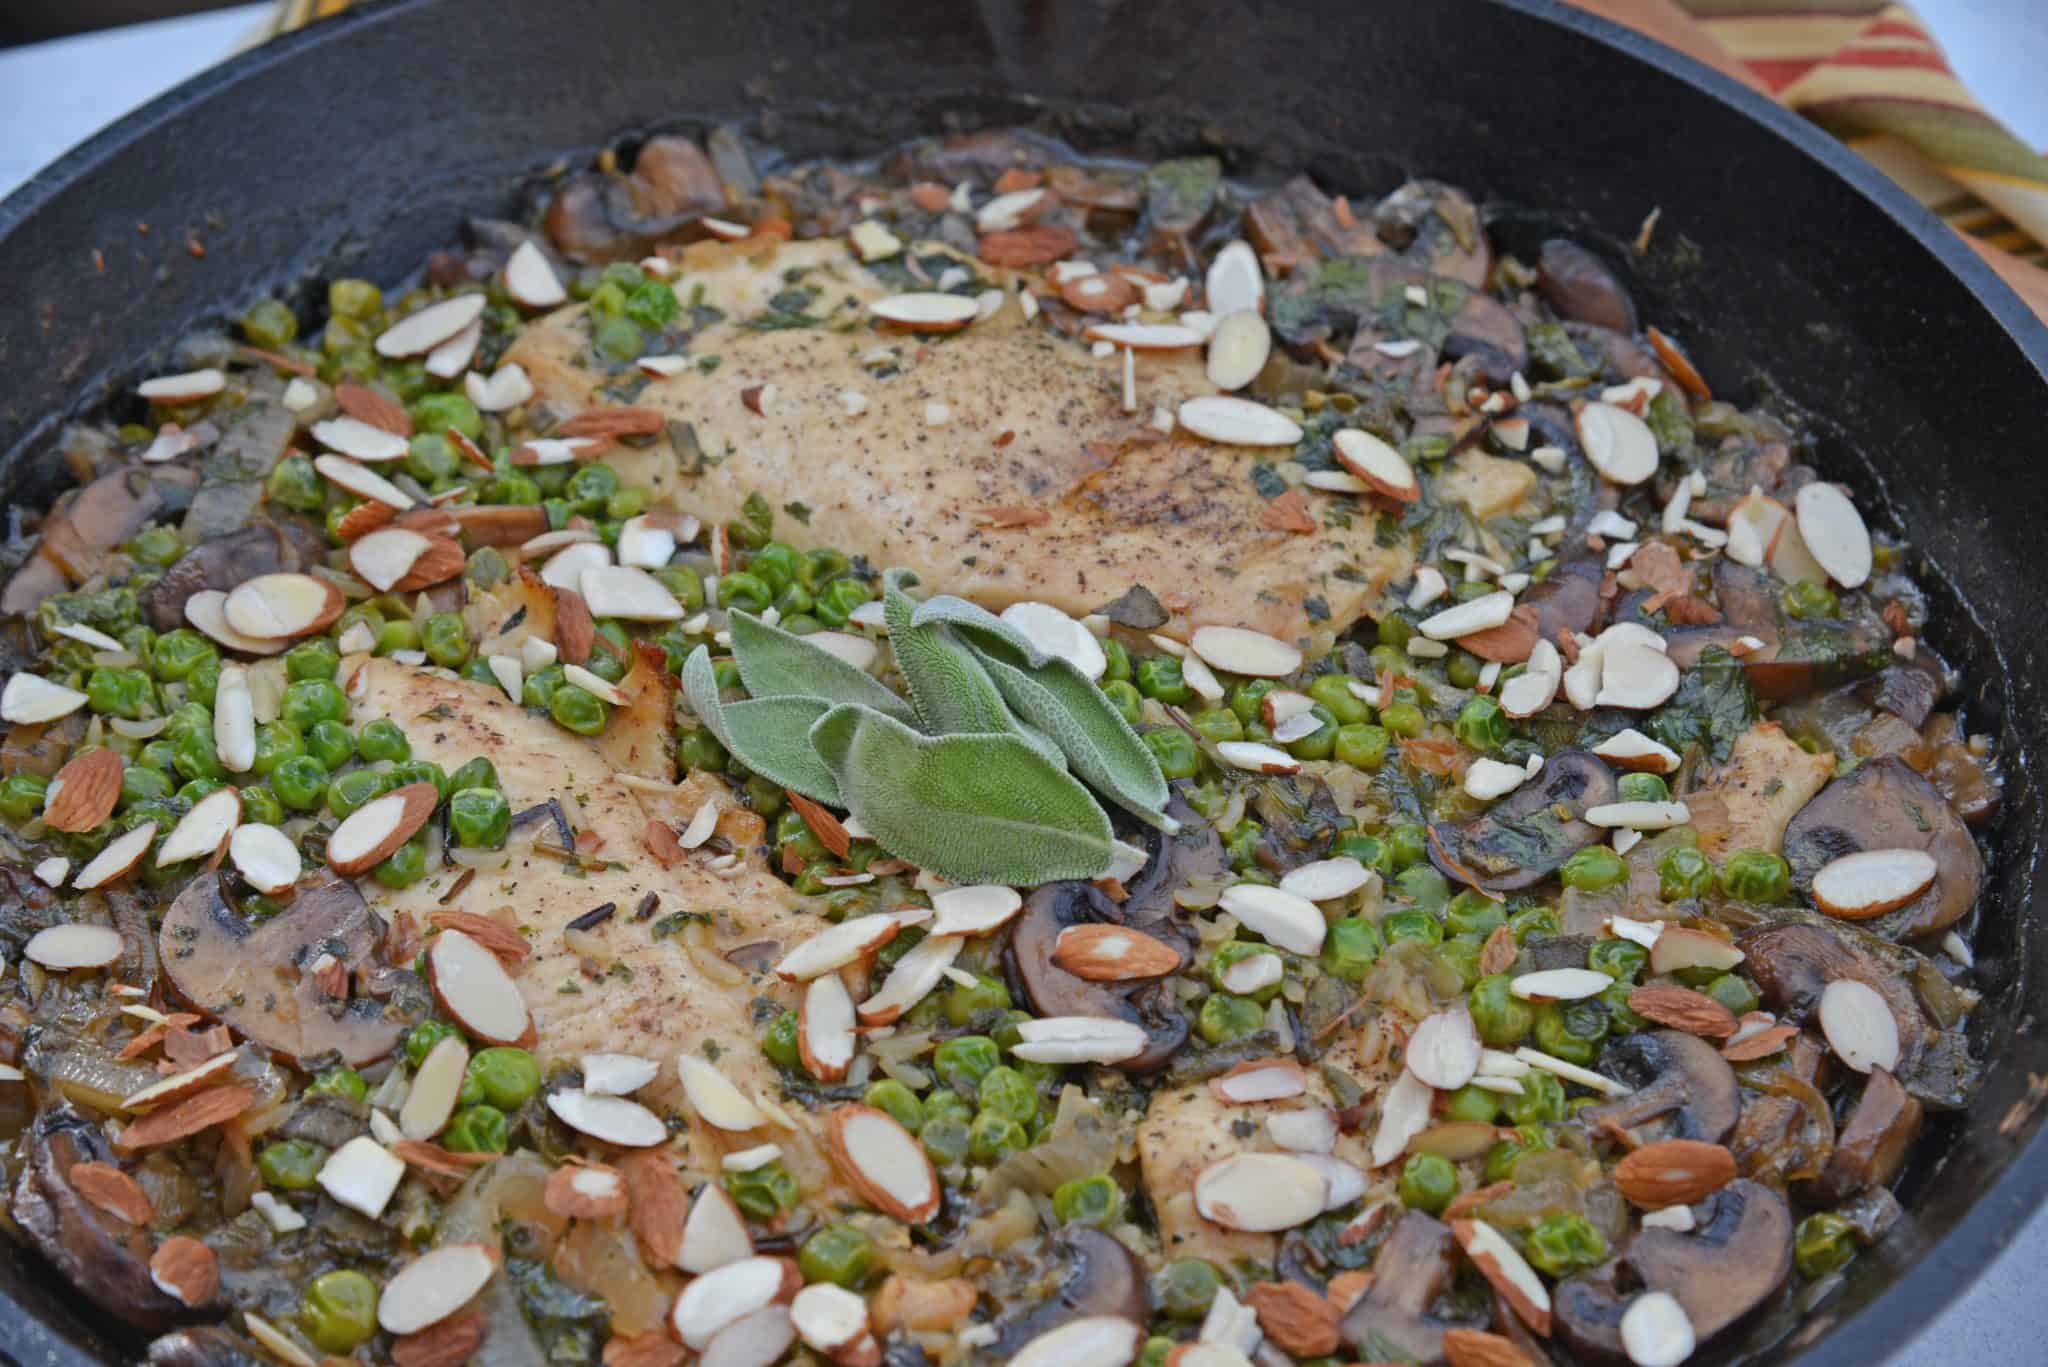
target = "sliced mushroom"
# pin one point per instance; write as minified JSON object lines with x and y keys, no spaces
{"x":1873,"y":1146}
{"x":1193,"y":854}
{"x":262,"y":547}
{"x":205,"y":1346}
{"x":1579,"y":286}
{"x":1677,"y":1079}
{"x":1052,"y":991}
{"x":1621,"y":356}
{"x":595,"y":217}
{"x":259,"y":978}
{"x":1436,"y":228}
{"x":104,"y":1259}
{"x":83,"y":531}
{"x":1102,"y":1278}
{"x":1569,"y":600}
{"x":1527,"y":835}
{"x":1883,"y":805}
{"x":1298,"y":223}
{"x":1908,"y":690}
{"x":1413,"y":1267}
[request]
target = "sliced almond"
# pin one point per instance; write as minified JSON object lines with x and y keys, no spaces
{"x":453,"y":356}
{"x":201,"y":830}
{"x":725,"y":1295}
{"x":1238,"y":422}
{"x":1235,"y":281}
{"x":617,"y":1074}
{"x":1101,"y":952}
{"x":1282,"y":918}
{"x":827,"y":1317}
{"x":119,"y":857}
{"x":1490,"y":779}
{"x":1443,"y":1051}
{"x":1260,"y":1193}
{"x":1560,"y":985}
{"x":1631,"y":749}
{"x":189,"y":387}
{"x":434,"y":1286}
{"x":234,"y":719}
{"x":566,"y":567}
{"x":185,"y":1270}
{"x":837,"y":946}
{"x":974,"y":909}
{"x":1834,"y":533}
{"x":612,"y":1119}
{"x":64,"y":948}
{"x":1257,"y":757}
{"x":540,"y":451}
{"x":1872,"y":882}
{"x":715,"y":1233}
{"x":1305,"y":1130}
{"x":857,"y":651}
{"x":595,"y":685}
{"x":1254,"y":973}
{"x":266,"y":857}
{"x":1079,"y":1039}
{"x":506,"y":389}
{"x":1327,"y":880}
{"x":1404,"y":1113}
{"x":1635,"y":677}
{"x":1238,"y":350}
{"x":1384,"y":470}
{"x":1859,"y":1026}
{"x":1090,"y":1341}
{"x":883,"y":1162}
{"x":586,"y":1191}
{"x":1617,"y":443}
{"x":912,"y":979}
{"x":1681,"y":947}
{"x":85,"y":635}
{"x":472,"y":985}
{"x":84,"y":791}
{"x":169,"y":443}
{"x":714,"y":1098}
{"x":435,"y":1086}
{"x":626,"y":594}
{"x":361,"y":1175}
{"x":360,"y":441}
{"x":368,"y":835}
{"x":1261,"y":1079}
{"x":362,"y":482}
{"x":1237,"y":650}
{"x":825,"y":1028}
{"x":760,"y":1338}
{"x":206,"y":611}
{"x":31,"y":700}
{"x":179,"y":1086}
{"x":1504,"y":1266}
{"x":531,"y":280}
{"x":925,"y":311}
{"x":1145,"y":336}
{"x":644,"y":543}
{"x":1673,"y":1172}
{"x":386,"y":556}
{"x":418,"y":333}
{"x":1638,"y":816}
{"x":1655,"y":1331}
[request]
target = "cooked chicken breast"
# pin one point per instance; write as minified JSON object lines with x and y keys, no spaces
{"x":906,"y":449}
{"x":1749,"y":801}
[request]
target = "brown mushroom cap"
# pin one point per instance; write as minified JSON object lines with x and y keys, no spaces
{"x":1872,"y":1147}
{"x":1883,"y":805}
{"x":1413,"y":1267}
{"x":1579,"y":286}
{"x":1569,"y":600}
{"x":1739,"y":1253}
{"x":205,"y":1346}
{"x":1522,"y":839}
{"x":1678,"y":1078}
{"x":253,"y":977}
{"x":1103,"y":1278}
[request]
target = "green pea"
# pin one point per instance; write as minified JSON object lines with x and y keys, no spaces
{"x":140,"y":784}
{"x":382,"y":740}
{"x":475,"y":1129}
{"x":341,"y":1081}
{"x":1118,"y":666}
{"x":1621,"y":1020}
{"x":779,"y":1040}
{"x":1248,"y":699}
{"x":1736,"y":993}
{"x":475,"y":773}
{"x":191,"y":793}
{"x":201,"y":683}
{"x":1571,"y":1031}
{"x":1756,"y":876}
{"x":290,"y":1164}
{"x":1361,"y":746}
{"x":1368,"y":850}
{"x":1463,"y":669}
{"x":508,"y":1076}
{"x":1560,"y":1245}
{"x":1333,"y":691}
{"x":1320,"y":743}
{"x":765,"y":1192}
{"x":576,"y":709}
{"x":276,"y":742}
{"x":1225,"y":1017}
{"x":1008,"y":1093}
{"x":261,"y":807}
{"x":1217,"y":724}
{"x":1124,"y":697}
{"x":1592,"y":869}
{"x":431,"y":457}
{"x":1429,"y":890}
{"x":269,"y":323}
{"x":421,"y":771}
{"x":1159,"y":676}
{"x":1096,"y":1200}
{"x":1175,"y":750}
{"x":395,"y":636}
{"x":1533,"y":923}
{"x":1186,"y":1287}
{"x":314,"y":661}
{"x":479,"y":818}
{"x":653,"y":305}
{"x":1407,"y":845}
{"x":1503,"y":1019}
{"x":189,"y":720}
{"x":775,"y":564}
{"x":1403,"y":719}
{"x":312,"y":701}
{"x":439,"y":412}
{"x":160,"y":755}
{"x":1482,"y":724}
{"x":837,"y":1253}
{"x":1643,"y":788}
{"x":1542,"y":1099}
{"x":1413,"y":924}
{"x":744,"y":592}
{"x":295,"y":484}
{"x":992,"y":1138}
{"x":1470,"y":1103}
{"x":1461,"y":954}
{"x":964,"y":1002}
{"x":339,"y":1310}
{"x":352,"y":298}
{"x":405,"y":866}
{"x":1428,"y":1182}
{"x":126,"y":693}
{"x":1823,"y":1243}
{"x":1351,"y":949}
{"x":1620,"y":960}
{"x":963,"y":1061}
{"x":887,"y":1094}
{"x":421,"y":1039}
{"x":946,"y":1138}
{"x":300,"y":782}
{"x":1241,"y":844}
{"x":1683,"y":872}
{"x":197,"y":758}
{"x":1804,"y":600}
{"x":348,"y":792}
{"x":156,"y":546}
{"x":511,"y":487}
{"x":1472,"y":912}
{"x":1502,"y":1157}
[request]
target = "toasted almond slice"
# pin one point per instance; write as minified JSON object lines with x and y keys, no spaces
{"x":1079,"y":1039}
{"x":53,"y":871}
{"x":63,"y":948}
{"x":1282,"y":918}
{"x":170,"y":442}
{"x":1384,"y":470}
{"x":84,"y":791}
{"x":1638,"y":816}
{"x":825,"y":1028}
{"x":1673,"y":1172}
{"x":1489,"y":779}
{"x":359,"y":441}
{"x":1560,"y":985}
{"x":565,"y":568}
{"x":1404,"y":1113}
{"x":1145,"y":336}
{"x":266,"y":857}
{"x":627,"y":594}
{"x":361,"y":1175}
{"x":120,"y":856}
{"x":555,"y":450}
{"x":662,"y":367}
{"x":434,"y":1286}
{"x":31,"y":699}
{"x":1257,"y":757}
{"x":386,"y":556}
{"x":1235,"y":281}
{"x":912,"y":979}
{"x":1237,"y":422}
{"x":715,"y":1234}
{"x":1631,"y":749}
{"x":974,"y":909}
{"x":1655,"y":1331}
{"x":1260,"y":1079}
{"x":189,"y":387}
{"x":1254,"y":973}
{"x":730,"y":1293}
{"x":1102,"y":952}
{"x":714,"y":1098}
{"x":1237,"y":650}
{"x":883,"y":1162}
{"x":613,"y":1119}
{"x":1012,"y":210}
{"x":368,"y":835}
{"x":586,"y":1191}
{"x":1859,"y":1026}
{"x":435,"y":1086}
{"x":1443,"y":1051}
{"x":1260,"y":1193}
{"x":617,"y":1074}
{"x":827,"y":1317}
{"x":1476,"y":614}
{"x":506,"y":670}
{"x":1635,"y":677}
{"x":185,"y":1270}
{"x":531,"y":280}
{"x":1090,"y":1341}
{"x":201,"y":830}
{"x":1617,"y":443}
{"x":1283,"y":705}
{"x":1872,"y":882}
{"x":206,"y":610}
{"x":1504,"y":1266}
{"x":1304,"y":1130}
{"x":1570,"y":1072}
{"x":471,"y":983}
{"x":178,"y":1086}
{"x":282,"y":606}
{"x":1336,"y":482}
{"x":1684,"y":947}
{"x":848,"y":942}
{"x":925,"y":311}
{"x":363,"y":483}
{"x":645,"y":544}
{"x":418,"y":333}
{"x":453,"y":356}
{"x":1238,"y":350}
{"x":1834,"y":533}
{"x":234,"y":719}
{"x":595,"y":684}
{"x":85,"y":635}
{"x":506,"y":389}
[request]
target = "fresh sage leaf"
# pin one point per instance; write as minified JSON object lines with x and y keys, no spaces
{"x":777,"y":663}
{"x":973,"y":808}
{"x":952,"y":693}
{"x":771,"y":736}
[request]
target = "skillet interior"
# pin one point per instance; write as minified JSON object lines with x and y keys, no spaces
{"x":358,"y":146}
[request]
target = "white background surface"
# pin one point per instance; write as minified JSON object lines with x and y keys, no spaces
{"x":53,"y":95}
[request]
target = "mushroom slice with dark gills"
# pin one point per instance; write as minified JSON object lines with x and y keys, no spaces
{"x":1883,"y":805}
{"x":1524,"y":837}
{"x":262,"y":547}
{"x":1682,"y":1088}
{"x":103,"y":1258}
{"x":1738,"y":1253}
{"x":1581,"y":287}
{"x":1052,"y":991}
{"x":1102,"y":1278}
{"x":264,"y":980}
{"x":1394,"y":1320}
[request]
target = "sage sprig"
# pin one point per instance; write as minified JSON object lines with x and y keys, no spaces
{"x":776,"y":663}
{"x":771,"y":736}
{"x":952,"y":692}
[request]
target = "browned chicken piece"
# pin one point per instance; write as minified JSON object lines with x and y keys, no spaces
{"x":1747,"y":802}
{"x":911,"y":450}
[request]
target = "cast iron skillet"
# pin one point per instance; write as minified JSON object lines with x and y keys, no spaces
{"x":1783,"y":260}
